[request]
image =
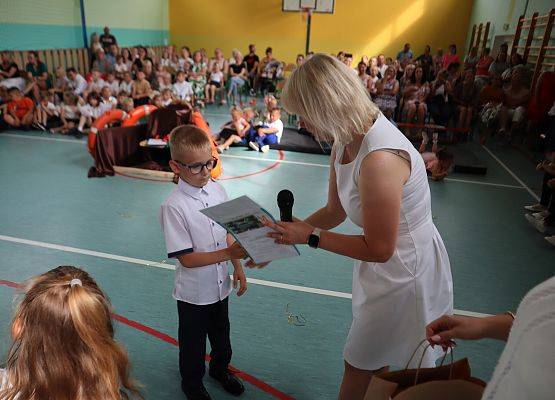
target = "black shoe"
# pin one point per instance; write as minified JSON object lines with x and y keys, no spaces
{"x":198,"y":394}
{"x":229,"y":382}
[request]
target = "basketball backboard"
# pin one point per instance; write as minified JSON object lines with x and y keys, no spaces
{"x":318,"y":6}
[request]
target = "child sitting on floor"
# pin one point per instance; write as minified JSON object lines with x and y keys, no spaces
{"x":69,"y":114}
{"x":126,"y":85}
{"x":107,"y":99}
{"x":438,"y":162}
{"x":112,"y":83}
{"x":63,"y":343}
{"x":234,"y":131}
{"x":167,"y":97}
{"x":20,"y":109}
{"x":269,"y":133}
{"x":182,"y":89}
{"x":46,"y":111}
{"x":90,"y":111}
{"x":141,"y":90}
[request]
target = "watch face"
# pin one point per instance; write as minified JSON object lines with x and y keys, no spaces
{"x":313,"y":241}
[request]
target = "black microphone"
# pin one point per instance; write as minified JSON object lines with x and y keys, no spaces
{"x":285,"y":202}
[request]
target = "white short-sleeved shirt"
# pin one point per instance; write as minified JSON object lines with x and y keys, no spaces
{"x":183,"y":90}
{"x":79,"y":85}
{"x":96,"y":86}
{"x":126,"y":87}
{"x":114,"y":87}
{"x":121,"y":68}
{"x":216,"y":76}
{"x":187,"y":230}
{"x":278,"y":124}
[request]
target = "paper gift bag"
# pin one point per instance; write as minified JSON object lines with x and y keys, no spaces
{"x":452,"y":381}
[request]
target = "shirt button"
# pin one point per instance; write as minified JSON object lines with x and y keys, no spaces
{"x":212,"y":224}
{"x":206,"y":204}
{"x":217,"y":244}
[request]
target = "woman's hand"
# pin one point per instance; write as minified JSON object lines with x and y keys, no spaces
{"x":443,"y":330}
{"x":289,"y":232}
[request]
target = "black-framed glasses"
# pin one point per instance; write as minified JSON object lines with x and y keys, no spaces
{"x":196,"y":168}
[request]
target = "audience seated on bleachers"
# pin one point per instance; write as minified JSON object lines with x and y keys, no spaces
{"x":423,"y":90}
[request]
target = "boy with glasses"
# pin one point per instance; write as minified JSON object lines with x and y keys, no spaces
{"x":202,"y":249}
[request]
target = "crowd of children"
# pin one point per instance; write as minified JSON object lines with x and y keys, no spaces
{"x":123,"y":78}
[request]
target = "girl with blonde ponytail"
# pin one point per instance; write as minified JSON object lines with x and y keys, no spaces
{"x":63,"y":343}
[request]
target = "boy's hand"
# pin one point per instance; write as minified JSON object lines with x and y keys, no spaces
{"x":239,"y":276}
{"x":236,"y":252}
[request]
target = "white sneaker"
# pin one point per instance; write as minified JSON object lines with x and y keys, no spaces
{"x":535,"y":207}
{"x":425,"y":137}
{"x":254,"y":146}
{"x":265,"y":149}
{"x":220,"y":149}
{"x":541,"y":214}
{"x":539,"y":224}
{"x":551,"y":239}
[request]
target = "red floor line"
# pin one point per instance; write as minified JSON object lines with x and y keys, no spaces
{"x":168,"y":339}
{"x":281,"y":157}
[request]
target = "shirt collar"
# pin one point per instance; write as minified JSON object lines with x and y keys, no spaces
{"x":192,"y":191}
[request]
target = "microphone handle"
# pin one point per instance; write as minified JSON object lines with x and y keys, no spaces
{"x":286,"y":214}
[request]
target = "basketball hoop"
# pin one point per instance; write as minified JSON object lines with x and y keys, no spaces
{"x":305,"y":13}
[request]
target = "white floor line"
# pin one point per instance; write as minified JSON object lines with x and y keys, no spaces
{"x":286,"y":286}
{"x":534,"y":195}
{"x":48,"y":139}
{"x":306,"y":164}
{"x":273,"y":160}
{"x":484,"y":183}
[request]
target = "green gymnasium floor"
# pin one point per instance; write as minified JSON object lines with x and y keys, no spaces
{"x":52,"y":214}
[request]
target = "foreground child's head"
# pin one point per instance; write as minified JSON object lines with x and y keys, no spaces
{"x":191,"y":152}
{"x":64,"y":345}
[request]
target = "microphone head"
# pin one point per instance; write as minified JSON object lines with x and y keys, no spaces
{"x":285,"y":198}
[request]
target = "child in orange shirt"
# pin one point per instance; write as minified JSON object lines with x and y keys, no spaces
{"x":20,"y":109}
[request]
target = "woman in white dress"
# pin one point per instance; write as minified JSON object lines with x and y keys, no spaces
{"x":402,"y":277}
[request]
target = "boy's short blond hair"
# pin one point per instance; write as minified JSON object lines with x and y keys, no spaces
{"x":187,"y":138}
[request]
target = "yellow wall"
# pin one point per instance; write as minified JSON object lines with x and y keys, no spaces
{"x":358,"y":26}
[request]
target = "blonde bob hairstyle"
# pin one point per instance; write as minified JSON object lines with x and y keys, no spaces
{"x":331,"y":98}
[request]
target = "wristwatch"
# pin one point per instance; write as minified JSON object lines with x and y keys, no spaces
{"x":314,"y":238}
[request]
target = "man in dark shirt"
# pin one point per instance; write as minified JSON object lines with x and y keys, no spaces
{"x":252,"y":60}
{"x":107,"y":39}
{"x":8,"y":69}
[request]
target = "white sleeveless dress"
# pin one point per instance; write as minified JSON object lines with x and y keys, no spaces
{"x":394,"y":301}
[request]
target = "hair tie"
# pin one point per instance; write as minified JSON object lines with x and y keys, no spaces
{"x":75,"y":281}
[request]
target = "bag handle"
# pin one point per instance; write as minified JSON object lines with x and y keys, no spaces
{"x":422,"y":360}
